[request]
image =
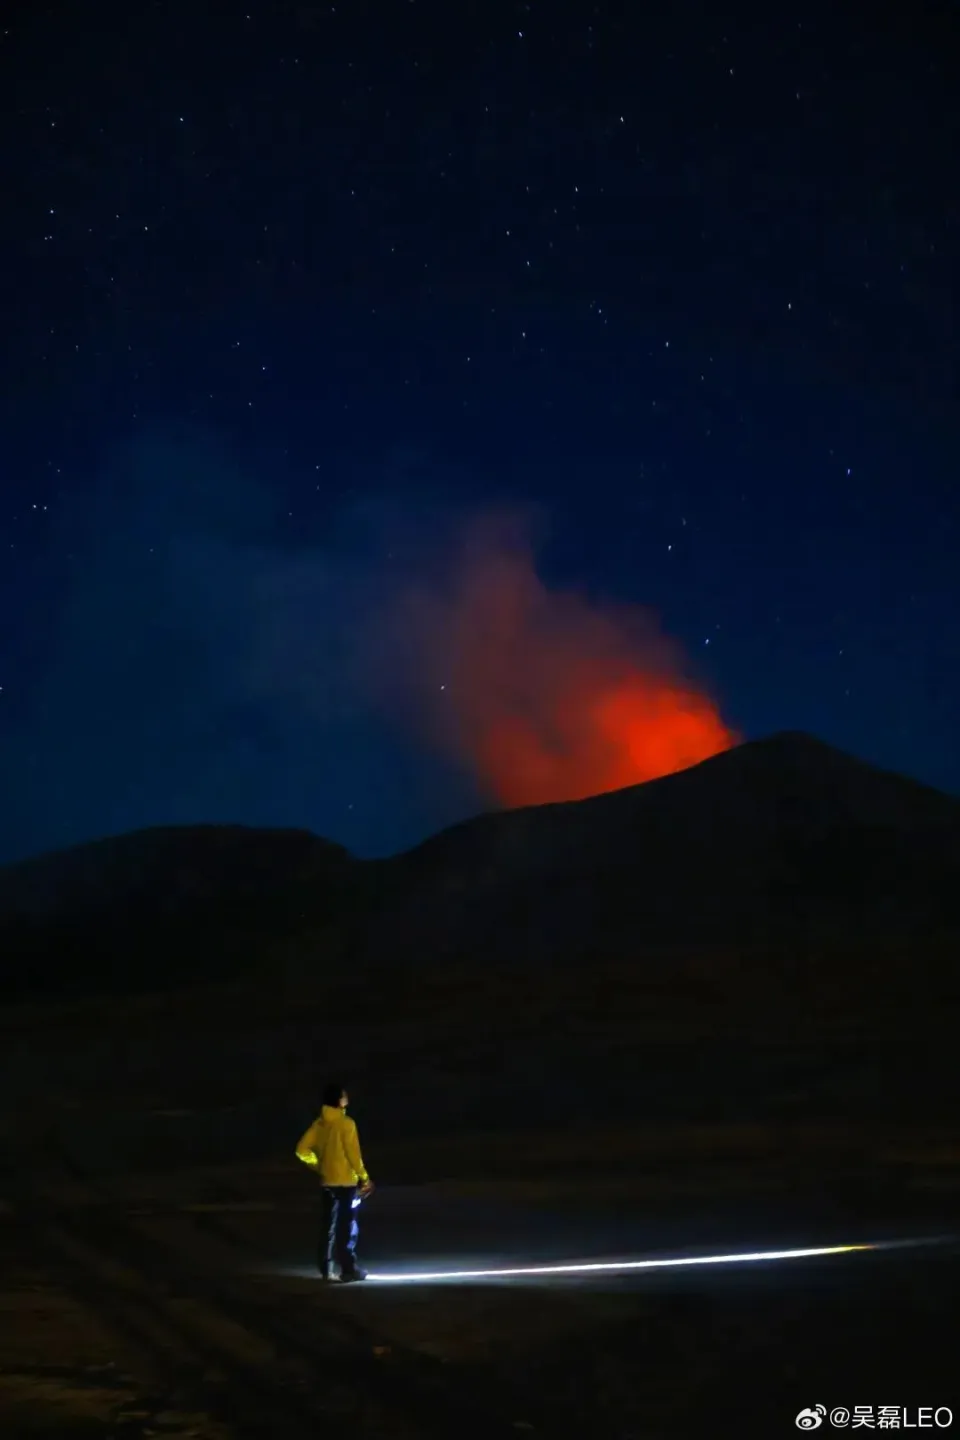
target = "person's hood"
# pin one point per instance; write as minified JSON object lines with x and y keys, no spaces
{"x":332,"y":1114}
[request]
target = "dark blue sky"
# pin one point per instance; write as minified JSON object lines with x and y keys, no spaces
{"x":294,"y":295}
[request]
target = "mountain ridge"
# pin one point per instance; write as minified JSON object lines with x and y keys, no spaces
{"x":778,"y":842}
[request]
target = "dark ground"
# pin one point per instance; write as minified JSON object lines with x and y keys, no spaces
{"x":156,"y":1297}
{"x":535,"y":1075}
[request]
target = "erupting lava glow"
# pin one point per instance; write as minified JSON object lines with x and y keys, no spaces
{"x":591,"y":740}
{"x":545,"y":695}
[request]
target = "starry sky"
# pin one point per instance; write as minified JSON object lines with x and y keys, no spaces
{"x":370,"y":366}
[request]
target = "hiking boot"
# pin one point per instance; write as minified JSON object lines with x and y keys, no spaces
{"x":349,"y":1277}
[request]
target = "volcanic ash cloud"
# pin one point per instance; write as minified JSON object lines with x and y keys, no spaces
{"x":542,"y":694}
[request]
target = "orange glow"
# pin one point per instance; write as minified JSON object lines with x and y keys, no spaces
{"x":592,"y":742}
{"x":546,"y":695}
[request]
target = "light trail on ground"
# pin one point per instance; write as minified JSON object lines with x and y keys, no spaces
{"x":613,"y":1267}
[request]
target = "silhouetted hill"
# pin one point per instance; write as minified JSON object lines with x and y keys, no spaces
{"x":165,"y":868}
{"x":160,"y":905}
{"x":783,"y":842}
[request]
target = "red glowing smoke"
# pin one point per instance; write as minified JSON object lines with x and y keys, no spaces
{"x":545,"y":695}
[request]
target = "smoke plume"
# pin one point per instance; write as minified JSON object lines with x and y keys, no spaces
{"x":374,"y":672}
{"x":544,"y":695}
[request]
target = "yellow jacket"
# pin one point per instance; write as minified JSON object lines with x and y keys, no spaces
{"x":332,"y":1144}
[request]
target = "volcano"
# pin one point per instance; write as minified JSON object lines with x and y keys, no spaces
{"x":782,"y":842}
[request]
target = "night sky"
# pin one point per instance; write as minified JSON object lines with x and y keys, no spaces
{"x":389,"y":387}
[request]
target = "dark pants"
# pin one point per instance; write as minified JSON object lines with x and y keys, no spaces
{"x":338,"y":1229}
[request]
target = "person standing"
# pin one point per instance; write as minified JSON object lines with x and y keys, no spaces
{"x":332,"y":1145}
